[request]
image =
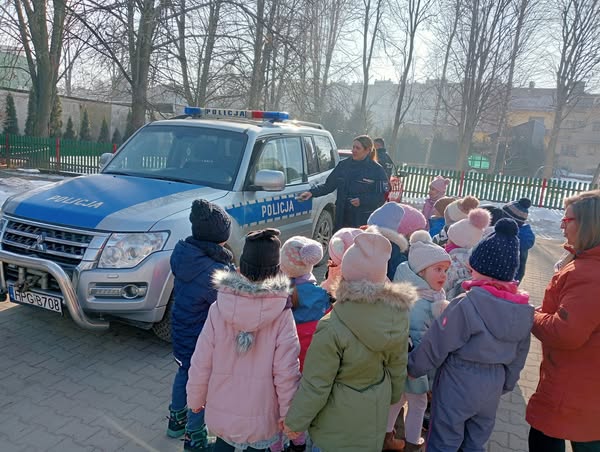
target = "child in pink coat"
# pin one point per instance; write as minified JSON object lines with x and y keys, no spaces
{"x":245,"y":368}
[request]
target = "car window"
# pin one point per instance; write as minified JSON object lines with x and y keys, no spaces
{"x":203,"y":156}
{"x":285,"y":155}
{"x":324,"y":153}
{"x":311,"y":156}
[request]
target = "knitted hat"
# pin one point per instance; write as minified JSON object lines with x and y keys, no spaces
{"x":459,"y":209}
{"x":412,"y":221}
{"x":440,"y":183}
{"x":210,"y":223}
{"x":260,"y":257}
{"x":299,"y":255}
{"x":497,"y":255}
{"x":441,"y":204}
{"x":496,"y":213}
{"x":424,"y":253}
{"x":518,"y":210}
{"x":367,"y":258}
{"x":466,"y":233}
{"x":387,"y":216}
{"x":340,"y":242}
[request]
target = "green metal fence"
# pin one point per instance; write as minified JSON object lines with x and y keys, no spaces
{"x":548,"y":193}
{"x":51,"y":154}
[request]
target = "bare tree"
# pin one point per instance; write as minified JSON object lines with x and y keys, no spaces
{"x":523,"y":29}
{"x":411,"y":17}
{"x":579,"y":60}
{"x":484,"y":43}
{"x":372,"y":14}
{"x":41,"y":34}
{"x":442,"y":80}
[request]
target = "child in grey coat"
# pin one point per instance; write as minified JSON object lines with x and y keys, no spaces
{"x":479,"y":345}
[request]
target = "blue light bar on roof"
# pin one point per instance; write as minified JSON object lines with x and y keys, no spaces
{"x":224,"y":113}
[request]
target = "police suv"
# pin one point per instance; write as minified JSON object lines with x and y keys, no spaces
{"x":98,"y":246}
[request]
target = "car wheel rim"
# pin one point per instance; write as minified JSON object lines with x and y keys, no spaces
{"x":323,"y":233}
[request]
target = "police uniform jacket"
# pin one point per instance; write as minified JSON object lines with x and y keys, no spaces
{"x":362,"y":179}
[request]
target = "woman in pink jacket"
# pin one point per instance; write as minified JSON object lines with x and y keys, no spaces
{"x":245,"y":368}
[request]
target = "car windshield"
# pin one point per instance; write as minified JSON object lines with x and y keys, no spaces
{"x":194,"y":155}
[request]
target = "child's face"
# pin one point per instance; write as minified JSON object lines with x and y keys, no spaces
{"x":433,"y":193}
{"x":436,"y":274}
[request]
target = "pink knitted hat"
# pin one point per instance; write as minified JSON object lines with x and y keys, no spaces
{"x":340,"y":242}
{"x":440,"y":183}
{"x":459,"y":209}
{"x":299,"y":255}
{"x":412,"y":221}
{"x":367,"y":258}
{"x":468,"y":232}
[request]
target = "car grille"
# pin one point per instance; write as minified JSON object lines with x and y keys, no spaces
{"x":64,"y":247}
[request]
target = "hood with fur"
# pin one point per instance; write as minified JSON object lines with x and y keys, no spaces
{"x":249,"y":305}
{"x":393,"y":236}
{"x":373,"y":311}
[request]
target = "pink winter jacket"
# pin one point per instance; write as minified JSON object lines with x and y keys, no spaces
{"x":245,"y":368}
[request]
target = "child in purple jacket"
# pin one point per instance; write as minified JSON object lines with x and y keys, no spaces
{"x":479,"y":345}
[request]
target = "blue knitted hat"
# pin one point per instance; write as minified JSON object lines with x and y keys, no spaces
{"x":497,"y":256}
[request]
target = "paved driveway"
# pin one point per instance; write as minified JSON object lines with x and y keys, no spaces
{"x":66,"y":389}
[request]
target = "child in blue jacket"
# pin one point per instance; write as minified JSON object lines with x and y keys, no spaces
{"x":479,"y":345}
{"x":519,"y":211}
{"x":193,"y":262}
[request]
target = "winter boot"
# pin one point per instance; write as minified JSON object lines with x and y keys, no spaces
{"x":391,"y":443}
{"x":196,"y":440}
{"x":420,"y":447}
{"x":177,"y":421}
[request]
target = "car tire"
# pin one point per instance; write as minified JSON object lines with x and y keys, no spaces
{"x":323,"y":233}
{"x":162,"y":329}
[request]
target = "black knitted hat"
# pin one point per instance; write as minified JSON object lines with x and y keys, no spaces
{"x":260,"y":258}
{"x":210,"y":223}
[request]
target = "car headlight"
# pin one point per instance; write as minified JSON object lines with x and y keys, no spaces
{"x":126,"y":250}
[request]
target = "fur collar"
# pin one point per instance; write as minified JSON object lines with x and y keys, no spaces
{"x":238,"y":283}
{"x":399,"y":295}
{"x":391,"y":235}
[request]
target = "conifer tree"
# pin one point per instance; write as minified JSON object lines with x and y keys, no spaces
{"x":117,"y":138}
{"x":11,"y":126}
{"x":84,"y":127}
{"x":30,"y":122}
{"x":129,"y":129}
{"x":104,"y":132}
{"x":56,"y":118}
{"x":70,"y":130}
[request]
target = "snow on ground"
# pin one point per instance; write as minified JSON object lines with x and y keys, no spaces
{"x":544,"y":222}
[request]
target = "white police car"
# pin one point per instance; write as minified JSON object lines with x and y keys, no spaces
{"x":99,"y":245}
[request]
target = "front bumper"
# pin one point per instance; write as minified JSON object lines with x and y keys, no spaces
{"x":66,"y":287}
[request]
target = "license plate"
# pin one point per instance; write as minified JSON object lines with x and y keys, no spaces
{"x":33,"y":298}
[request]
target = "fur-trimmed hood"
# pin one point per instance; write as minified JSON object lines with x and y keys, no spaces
{"x":250,"y":305}
{"x":393,"y":236}
{"x":373,"y":311}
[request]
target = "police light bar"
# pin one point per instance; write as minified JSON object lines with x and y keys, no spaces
{"x":223,"y":113}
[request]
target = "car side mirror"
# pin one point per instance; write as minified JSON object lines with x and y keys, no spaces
{"x":269,"y":180}
{"x":104,"y":160}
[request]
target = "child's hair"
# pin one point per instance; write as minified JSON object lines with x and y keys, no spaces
{"x":260,"y":257}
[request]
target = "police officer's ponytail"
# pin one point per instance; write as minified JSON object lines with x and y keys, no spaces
{"x":367,"y":143}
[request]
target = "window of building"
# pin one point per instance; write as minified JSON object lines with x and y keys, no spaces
{"x":569,"y":150}
{"x":596,"y":126}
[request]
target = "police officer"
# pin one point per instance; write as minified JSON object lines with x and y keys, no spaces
{"x":361,"y":185}
{"x":383,"y":158}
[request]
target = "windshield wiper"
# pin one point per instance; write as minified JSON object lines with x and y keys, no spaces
{"x":171,"y":178}
{"x":118,"y":173}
